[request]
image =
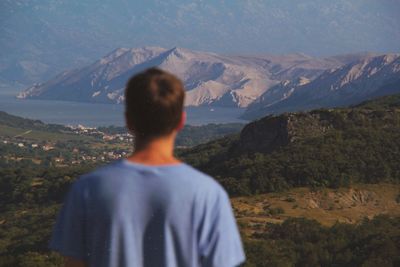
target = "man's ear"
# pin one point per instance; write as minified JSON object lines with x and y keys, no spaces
{"x":182,"y":121}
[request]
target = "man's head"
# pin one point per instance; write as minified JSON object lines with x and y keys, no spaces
{"x":154,"y":102}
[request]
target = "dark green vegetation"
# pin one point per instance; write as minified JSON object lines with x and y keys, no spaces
{"x":11,"y":126}
{"x":16,"y":127}
{"x":195,"y":135}
{"x":22,"y":123}
{"x":321,"y":148}
{"x":33,"y":181}
{"x":191,"y":135}
{"x":305,"y":243}
{"x":387,"y":102}
{"x":30,"y":197}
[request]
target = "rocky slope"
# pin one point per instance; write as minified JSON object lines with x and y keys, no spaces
{"x":210,"y":79}
{"x":349,"y":84}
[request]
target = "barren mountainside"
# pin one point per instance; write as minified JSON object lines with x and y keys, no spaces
{"x":347,"y":85}
{"x":210,"y":79}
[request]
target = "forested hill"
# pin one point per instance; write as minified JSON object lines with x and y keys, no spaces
{"x":23,"y":123}
{"x":387,"y":102}
{"x":15,"y":121}
{"x":321,"y":148}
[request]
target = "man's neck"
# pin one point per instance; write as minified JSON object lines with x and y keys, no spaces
{"x":159,"y":151}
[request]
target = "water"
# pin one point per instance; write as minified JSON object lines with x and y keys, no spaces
{"x":72,"y":113}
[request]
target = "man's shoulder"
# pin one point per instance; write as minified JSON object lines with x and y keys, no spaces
{"x":105,"y":171}
{"x":203,"y":183}
{"x":200,"y":177}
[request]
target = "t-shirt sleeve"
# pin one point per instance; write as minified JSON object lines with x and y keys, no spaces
{"x":220,"y":243}
{"x":68,"y":236}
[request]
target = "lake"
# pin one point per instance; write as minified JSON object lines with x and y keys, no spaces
{"x":88,"y":114}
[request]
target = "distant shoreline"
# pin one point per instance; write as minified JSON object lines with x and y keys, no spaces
{"x":96,"y":114}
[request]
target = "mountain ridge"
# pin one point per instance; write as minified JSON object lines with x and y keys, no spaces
{"x":347,"y":85}
{"x":210,"y":79}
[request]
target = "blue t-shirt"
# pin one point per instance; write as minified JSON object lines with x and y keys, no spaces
{"x":128,"y":214}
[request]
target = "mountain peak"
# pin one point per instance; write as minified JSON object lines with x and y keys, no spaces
{"x":148,"y":49}
{"x":113,"y":55}
{"x":210,"y":79}
{"x":178,"y":52}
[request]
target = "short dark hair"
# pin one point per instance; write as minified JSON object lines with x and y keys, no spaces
{"x":154,"y":101}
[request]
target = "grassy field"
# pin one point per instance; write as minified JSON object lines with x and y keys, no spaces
{"x":327,"y":206}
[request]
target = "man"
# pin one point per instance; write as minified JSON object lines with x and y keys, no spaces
{"x":150,"y":209}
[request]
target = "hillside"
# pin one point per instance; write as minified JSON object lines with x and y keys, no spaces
{"x":354,"y":150}
{"x":14,"y":126}
{"x":325,"y":205}
{"x":321,"y":148}
{"x":16,"y":121}
{"x":347,"y":85}
{"x":191,"y":135}
{"x":269,"y":223}
{"x":209,"y":78}
{"x":262,"y":84}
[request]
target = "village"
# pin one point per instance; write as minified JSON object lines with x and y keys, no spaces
{"x":98,"y":147}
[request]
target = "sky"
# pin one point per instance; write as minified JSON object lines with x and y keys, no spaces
{"x":40,"y":37}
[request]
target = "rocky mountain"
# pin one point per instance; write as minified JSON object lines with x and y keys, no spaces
{"x":347,"y":85}
{"x":210,"y":79}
